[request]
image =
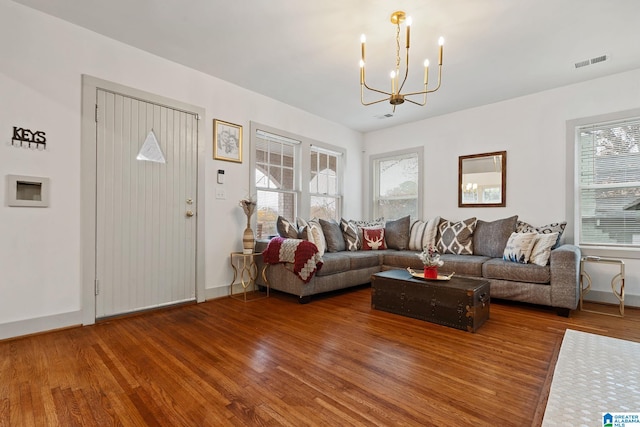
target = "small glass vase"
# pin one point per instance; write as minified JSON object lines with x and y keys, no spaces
{"x":431,"y":272}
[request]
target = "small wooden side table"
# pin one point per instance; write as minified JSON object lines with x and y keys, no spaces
{"x":617,"y":283}
{"x":246,"y":271}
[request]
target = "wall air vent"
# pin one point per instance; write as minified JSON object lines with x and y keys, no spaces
{"x":591,"y":61}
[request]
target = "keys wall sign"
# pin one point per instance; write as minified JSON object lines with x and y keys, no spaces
{"x":27,"y":138}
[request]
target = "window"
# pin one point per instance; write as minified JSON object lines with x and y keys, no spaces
{"x":275,"y":178}
{"x":608,"y":183}
{"x":323,"y":184}
{"x":397,"y":184}
{"x":278,"y":172}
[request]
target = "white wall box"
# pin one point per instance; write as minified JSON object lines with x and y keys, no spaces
{"x":27,"y":191}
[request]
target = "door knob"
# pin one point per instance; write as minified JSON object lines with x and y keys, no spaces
{"x":190,"y":213}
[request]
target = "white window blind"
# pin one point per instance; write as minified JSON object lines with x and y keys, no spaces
{"x":608,"y":165}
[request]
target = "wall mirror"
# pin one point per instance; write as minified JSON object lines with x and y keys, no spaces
{"x":482,"y":180}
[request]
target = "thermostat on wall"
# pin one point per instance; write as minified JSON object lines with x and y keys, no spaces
{"x":27,"y":191}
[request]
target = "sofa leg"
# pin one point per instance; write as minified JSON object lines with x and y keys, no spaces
{"x":562,"y":311}
{"x":305,"y":299}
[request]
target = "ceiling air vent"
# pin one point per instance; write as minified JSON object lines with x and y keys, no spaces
{"x":582,"y":63}
{"x":591,"y":61}
{"x":384,"y":116}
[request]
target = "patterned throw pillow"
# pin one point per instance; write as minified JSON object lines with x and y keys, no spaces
{"x":332,"y":235}
{"x":456,"y":238}
{"x":556,"y":227}
{"x":286,"y":229}
{"x":379,"y":223}
{"x":541,"y":250}
{"x":351,"y":235}
{"x":423,"y":234}
{"x":318,"y":236}
{"x":373,"y":239}
{"x":396,"y":233}
{"x":519,"y":247}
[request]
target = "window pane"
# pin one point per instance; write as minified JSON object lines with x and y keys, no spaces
{"x":398,"y":177}
{"x":270,"y":205}
{"x":397,"y":208}
{"x":396,"y":184}
{"x":324,"y":207}
{"x":324,"y":174}
{"x":609,"y":181}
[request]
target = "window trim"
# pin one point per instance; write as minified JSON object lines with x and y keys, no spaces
{"x":572,"y":193}
{"x":373,"y":177}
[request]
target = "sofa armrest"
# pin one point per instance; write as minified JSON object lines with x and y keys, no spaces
{"x":565,"y":276}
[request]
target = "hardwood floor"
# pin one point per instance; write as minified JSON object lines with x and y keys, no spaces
{"x":332,"y":362}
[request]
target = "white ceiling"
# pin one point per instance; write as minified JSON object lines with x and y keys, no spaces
{"x":306,"y":53}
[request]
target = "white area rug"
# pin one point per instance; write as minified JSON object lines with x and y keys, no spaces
{"x":593,"y":375}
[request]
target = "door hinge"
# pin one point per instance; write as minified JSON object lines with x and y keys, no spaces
{"x":97,"y":286}
{"x":96,"y":113}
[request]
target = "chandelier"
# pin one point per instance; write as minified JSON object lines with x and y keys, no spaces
{"x":396,"y":97}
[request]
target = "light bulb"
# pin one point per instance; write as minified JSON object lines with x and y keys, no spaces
{"x":363,"y":38}
{"x":409,"y":21}
{"x":361,"y":63}
{"x":426,"y":63}
{"x":441,"y":41}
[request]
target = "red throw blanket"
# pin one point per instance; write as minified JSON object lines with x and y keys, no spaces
{"x":302,"y":254}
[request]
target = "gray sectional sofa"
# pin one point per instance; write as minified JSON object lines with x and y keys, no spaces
{"x":555,"y":284}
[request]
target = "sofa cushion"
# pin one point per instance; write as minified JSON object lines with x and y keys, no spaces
{"x":490,"y":238}
{"x":286,"y":228}
{"x":541,"y":250}
{"x":334,"y":262}
{"x":500,"y":269}
{"x":456,"y":238}
{"x":556,"y":227}
{"x":365,"y":259}
{"x":332,"y":235}
{"x":373,"y":239}
{"x":351,"y":235}
{"x":462,"y":265}
{"x":396,"y":233}
{"x":423,"y":234}
{"x":519,"y":247}
{"x":402,"y":259}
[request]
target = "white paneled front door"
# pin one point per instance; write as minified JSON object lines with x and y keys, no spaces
{"x":146,"y":185}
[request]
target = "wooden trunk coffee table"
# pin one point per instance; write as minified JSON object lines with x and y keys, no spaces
{"x":460,"y":302}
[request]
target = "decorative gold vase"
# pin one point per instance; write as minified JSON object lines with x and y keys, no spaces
{"x":248,"y":241}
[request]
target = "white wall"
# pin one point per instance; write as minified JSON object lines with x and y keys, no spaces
{"x":532,"y":129}
{"x":42,"y":60}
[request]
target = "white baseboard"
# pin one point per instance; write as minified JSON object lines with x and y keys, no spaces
{"x":40,"y":324}
{"x":219,"y":292}
{"x":609,"y":298}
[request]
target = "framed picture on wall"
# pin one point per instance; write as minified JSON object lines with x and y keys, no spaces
{"x":227,"y":141}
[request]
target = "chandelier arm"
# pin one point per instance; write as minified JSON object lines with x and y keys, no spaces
{"x":439,"y":80}
{"x":422,"y":104}
{"x":373,"y":102}
{"x":374,"y":90}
